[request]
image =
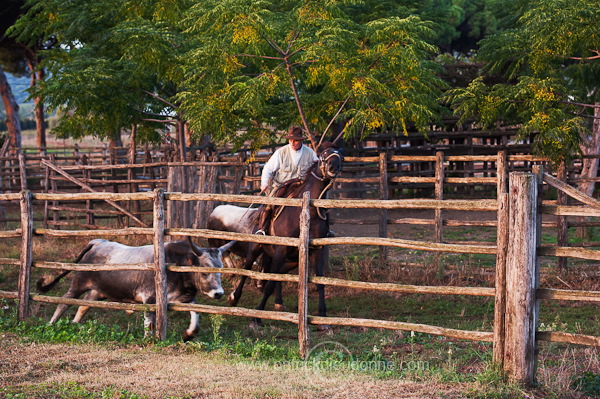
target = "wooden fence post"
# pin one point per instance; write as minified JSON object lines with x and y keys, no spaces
{"x":160,"y":272}
{"x":502,"y":240}
{"x":383,"y":195}
{"x":23,"y":171}
{"x":26,"y":253}
{"x":303,"y":332}
{"x":522,"y":279}
{"x":439,"y":195}
{"x":563,"y":226}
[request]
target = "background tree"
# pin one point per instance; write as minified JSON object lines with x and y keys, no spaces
{"x":25,"y":51}
{"x":260,"y":65}
{"x":11,"y":60}
{"x":114,"y":66}
{"x":551,"y":58}
{"x":239,"y":69}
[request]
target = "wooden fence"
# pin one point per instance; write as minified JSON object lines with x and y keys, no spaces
{"x":381,"y":177}
{"x":517,"y":291}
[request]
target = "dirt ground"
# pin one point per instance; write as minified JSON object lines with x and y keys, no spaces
{"x":174,"y":373}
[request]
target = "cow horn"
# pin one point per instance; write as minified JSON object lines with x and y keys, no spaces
{"x":196,"y":249}
{"x":225,"y":247}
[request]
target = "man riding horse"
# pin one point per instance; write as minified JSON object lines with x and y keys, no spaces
{"x":288,"y":163}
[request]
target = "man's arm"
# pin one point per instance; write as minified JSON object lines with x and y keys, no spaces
{"x":270,"y":168}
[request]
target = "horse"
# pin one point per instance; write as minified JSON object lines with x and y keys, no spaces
{"x":285,"y":222}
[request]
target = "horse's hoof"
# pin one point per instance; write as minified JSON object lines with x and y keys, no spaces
{"x":233,"y":301}
{"x":280,"y":307}
{"x":323,"y":327}
{"x":260,"y":284}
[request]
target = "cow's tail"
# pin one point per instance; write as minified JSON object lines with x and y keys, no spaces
{"x":47,"y":287}
{"x":42,"y":287}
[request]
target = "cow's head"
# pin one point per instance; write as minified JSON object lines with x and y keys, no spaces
{"x":209,"y":283}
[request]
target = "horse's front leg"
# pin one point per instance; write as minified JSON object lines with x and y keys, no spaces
{"x":235,"y":296}
{"x":279,"y":306}
{"x":317,"y":258}
{"x":276,"y":266}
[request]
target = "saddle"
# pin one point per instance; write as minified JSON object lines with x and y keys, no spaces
{"x":273,"y":211}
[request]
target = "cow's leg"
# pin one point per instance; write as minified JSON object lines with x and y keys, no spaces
{"x":82,"y":310}
{"x":194,"y":326}
{"x":235,"y":296}
{"x":149,"y":323}
{"x":62,"y":308}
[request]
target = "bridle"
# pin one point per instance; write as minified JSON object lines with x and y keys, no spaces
{"x":324,"y":157}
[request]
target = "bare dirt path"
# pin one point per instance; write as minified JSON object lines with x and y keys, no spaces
{"x":176,"y":373}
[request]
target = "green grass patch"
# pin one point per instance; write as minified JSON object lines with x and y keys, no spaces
{"x":69,"y":390}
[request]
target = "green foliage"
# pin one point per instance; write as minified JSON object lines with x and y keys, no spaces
{"x":236,"y":69}
{"x":115,"y":65}
{"x":68,"y":390}
{"x":549,"y":56}
{"x":588,"y":383}
{"x":305,"y":63}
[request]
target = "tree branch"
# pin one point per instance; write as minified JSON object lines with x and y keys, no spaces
{"x":595,"y":57}
{"x":260,"y":56}
{"x":160,"y":99}
{"x":311,"y":136}
{"x":334,"y":117}
{"x":166,"y":121}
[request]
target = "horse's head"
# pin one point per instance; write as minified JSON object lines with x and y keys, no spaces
{"x":330,"y":160}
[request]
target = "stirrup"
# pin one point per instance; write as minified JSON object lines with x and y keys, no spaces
{"x":260,"y":231}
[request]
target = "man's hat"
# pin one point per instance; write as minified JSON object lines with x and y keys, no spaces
{"x":295,"y":133}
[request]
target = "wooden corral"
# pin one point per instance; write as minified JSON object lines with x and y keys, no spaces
{"x":517,"y":292}
{"x":382,"y":177}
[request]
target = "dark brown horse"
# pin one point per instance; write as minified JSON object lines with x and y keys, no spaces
{"x":285,"y":222}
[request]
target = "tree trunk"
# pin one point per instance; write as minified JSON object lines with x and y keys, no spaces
{"x":589,"y":170}
{"x":12,"y":113}
{"x":39,"y":114}
{"x":37,"y":75}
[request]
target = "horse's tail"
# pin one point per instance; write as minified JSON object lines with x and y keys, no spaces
{"x":42,"y":287}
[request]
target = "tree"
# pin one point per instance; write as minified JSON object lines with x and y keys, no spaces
{"x":112,"y":66}
{"x":11,"y":60}
{"x":236,"y":70}
{"x":25,"y":50}
{"x":551,"y":59}
{"x":258,"y":65}
{"x":12,"y":113}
